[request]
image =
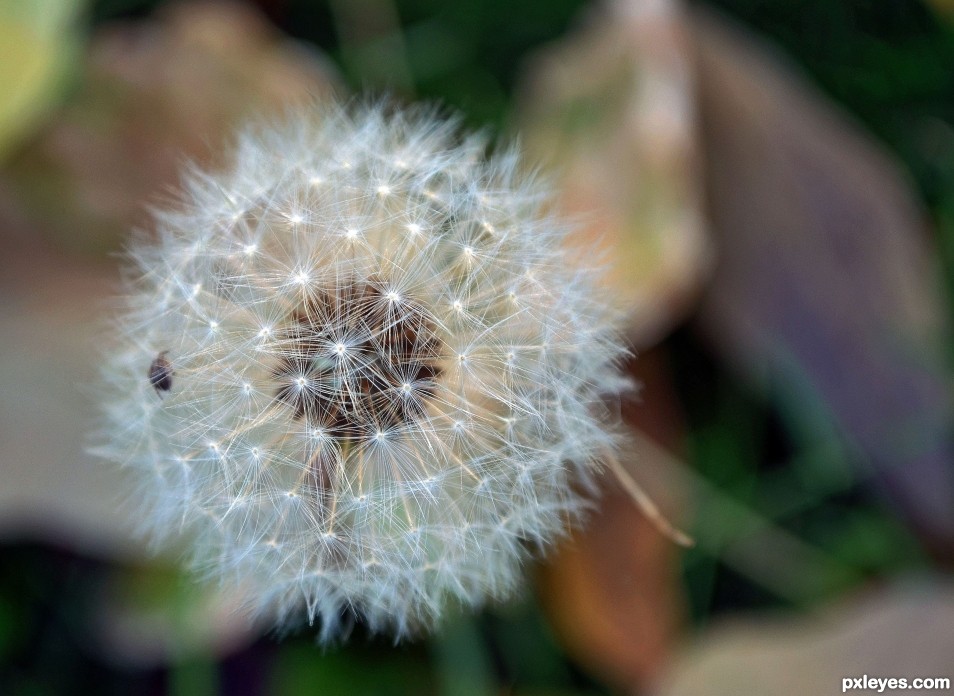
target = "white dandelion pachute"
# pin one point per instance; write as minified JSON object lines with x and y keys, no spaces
{"x":359,"y":371}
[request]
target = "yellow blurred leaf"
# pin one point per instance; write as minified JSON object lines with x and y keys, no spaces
{"x":38,"y":44}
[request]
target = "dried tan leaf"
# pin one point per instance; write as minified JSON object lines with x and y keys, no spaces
{"x":903,"y":631}
{"x":50,"y":487}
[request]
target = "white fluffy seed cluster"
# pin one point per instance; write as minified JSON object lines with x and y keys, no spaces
{"x":358,"y":370}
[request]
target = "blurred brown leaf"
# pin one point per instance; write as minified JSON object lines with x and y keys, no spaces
{"x":903,"y":631}
{"x":612,"y":592}
{"x":155,"y":93}
{"x":826,"y":285}
{"x":610,"y":110}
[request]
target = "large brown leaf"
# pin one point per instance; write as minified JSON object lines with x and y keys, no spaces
{"x":827,"y":286}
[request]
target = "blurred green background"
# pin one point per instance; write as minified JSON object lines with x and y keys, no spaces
{"x":781,"y":460}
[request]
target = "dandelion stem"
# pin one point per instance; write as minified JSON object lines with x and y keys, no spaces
{"x":646,"y":505}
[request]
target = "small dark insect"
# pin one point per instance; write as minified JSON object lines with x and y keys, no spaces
{"x":160,"y":373}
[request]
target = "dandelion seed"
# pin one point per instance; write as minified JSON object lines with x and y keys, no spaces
{"x":391,"y":423}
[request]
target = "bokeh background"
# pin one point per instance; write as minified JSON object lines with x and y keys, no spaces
{"x":773,"y":184}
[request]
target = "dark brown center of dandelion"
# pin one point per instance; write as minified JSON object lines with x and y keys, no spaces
{"x":357,"y":360}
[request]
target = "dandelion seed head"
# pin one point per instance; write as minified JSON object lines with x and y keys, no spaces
{"x":377,"y":401}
